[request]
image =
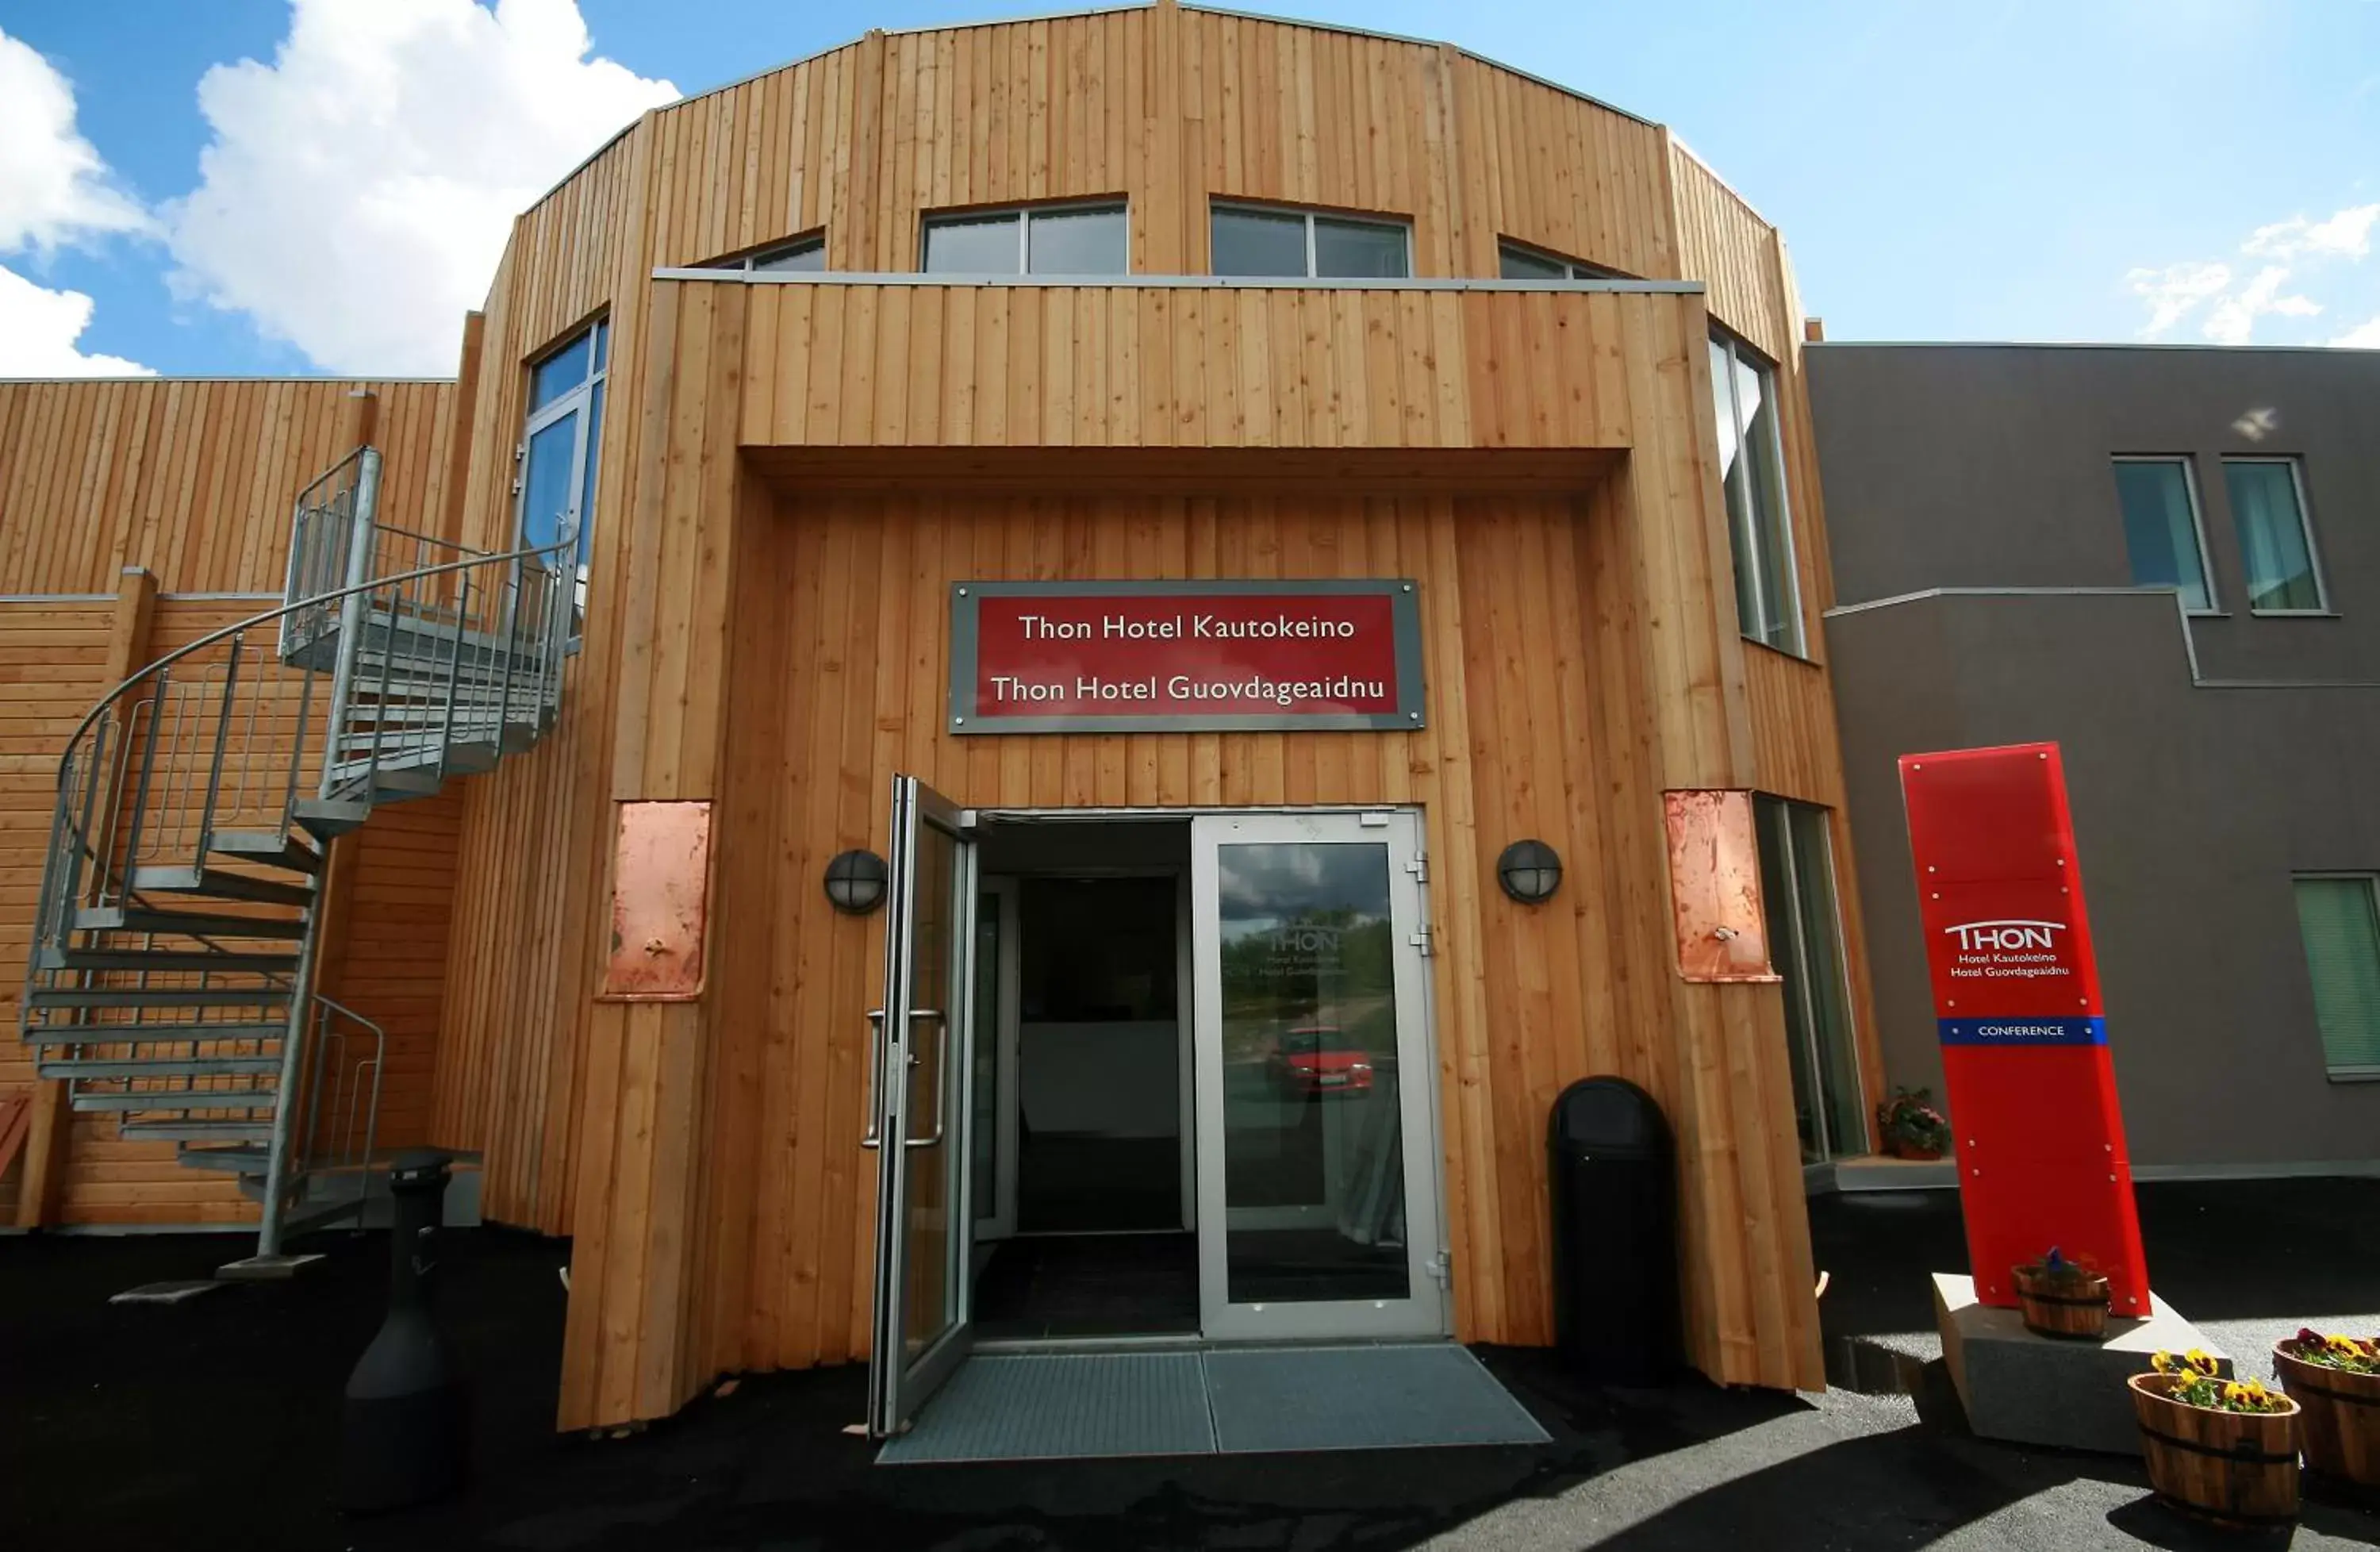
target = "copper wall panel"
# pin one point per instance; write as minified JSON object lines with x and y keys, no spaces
{"x":661,"y":874}
{"x":1715,"y":886}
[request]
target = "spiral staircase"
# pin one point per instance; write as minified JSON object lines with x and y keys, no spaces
{"x":169,"y":983}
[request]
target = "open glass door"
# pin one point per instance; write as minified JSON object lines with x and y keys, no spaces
{"x":920,"y":1116}
{"x":1318,"y":1143}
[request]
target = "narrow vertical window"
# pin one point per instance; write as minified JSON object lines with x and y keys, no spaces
{"x":560,"y":443}
{"x":1752,"y":470}
{"x":1805,"y":943}
{"x":2339,"y":920}
{"x":2159,"y":501}
{"x":2268,"y":508}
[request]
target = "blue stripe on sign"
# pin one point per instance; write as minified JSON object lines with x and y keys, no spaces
{"x":2023,"y":1031}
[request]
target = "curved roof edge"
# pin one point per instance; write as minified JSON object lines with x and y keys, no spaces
{"x":1074,"y":13}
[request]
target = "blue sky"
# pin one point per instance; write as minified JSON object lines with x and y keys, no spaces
{"x":2185,"y":170}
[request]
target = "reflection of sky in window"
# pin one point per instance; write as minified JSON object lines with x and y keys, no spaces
{"x":1260,"y":887}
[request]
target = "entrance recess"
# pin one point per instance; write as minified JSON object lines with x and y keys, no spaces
{"x":920,"y":1119}
{"x":1313,"y":1149}
{"x":1318,"y":1195}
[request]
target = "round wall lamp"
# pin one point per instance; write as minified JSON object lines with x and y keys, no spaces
{"x":855,"y":882}
{"x":1530,"y":871}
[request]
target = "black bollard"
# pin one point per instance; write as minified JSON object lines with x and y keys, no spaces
{"x":405,"y":1439}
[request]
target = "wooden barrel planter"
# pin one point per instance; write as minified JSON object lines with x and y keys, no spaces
{"x":2340,"y":1417}
{"x":2061,"y":1306}
{"x":2237,"y":1467}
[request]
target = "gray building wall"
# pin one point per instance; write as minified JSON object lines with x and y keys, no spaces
{"x":2198,"y":789}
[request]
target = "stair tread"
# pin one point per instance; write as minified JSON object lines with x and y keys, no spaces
{"x":169,"y":959}
{"x":154,"y":996}
{"x":180,"y":1099}
{"x":188,"y":924}
{"x":148,"y":1034}
{"x":197,"y":1131}
{"x":221,"y":884}
{"x":157,"y":1067}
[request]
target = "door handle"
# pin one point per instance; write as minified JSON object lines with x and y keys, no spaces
{"x":875,"y":1055}
{"x":874,"y":1134}
{"x":941,"y":1080}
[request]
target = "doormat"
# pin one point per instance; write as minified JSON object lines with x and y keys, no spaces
{"x":1220,"y":1400}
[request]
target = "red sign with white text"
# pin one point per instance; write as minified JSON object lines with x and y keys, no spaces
{"x":2038,"y":1136}
{"x":1169,"y":656}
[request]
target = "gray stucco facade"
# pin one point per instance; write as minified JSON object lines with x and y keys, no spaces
{"x":1984,"y":596}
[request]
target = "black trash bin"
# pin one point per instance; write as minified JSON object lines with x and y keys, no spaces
{"x":1614,"y":1192}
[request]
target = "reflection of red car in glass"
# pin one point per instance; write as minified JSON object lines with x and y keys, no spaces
{"x":1319,"y":1059}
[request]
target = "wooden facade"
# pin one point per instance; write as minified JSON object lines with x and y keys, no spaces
{"x":791,"y":473}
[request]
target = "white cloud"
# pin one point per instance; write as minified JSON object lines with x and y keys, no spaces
{"x":2365,"y":335}
{"x":2173,"y":291}
{"x":38,"y":330}
{"x":359,"y":190}
{"x":2347,"y":234}
{"x":54,"y":186}
{"x":2233,"y":320}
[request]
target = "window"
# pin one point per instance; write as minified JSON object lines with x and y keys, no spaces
{"x":1055,"y":239}
{"x":2337,"y":918}
{"x":1797,"y":886}
{"x":803,"y":255}
{"x":2268,"y":507}
{"x":2161,"y":530}
{"x":1516,"y":262}
{"x":1752,"y":467}
{"x":1254,"y":240}
{"x":558,"y":450}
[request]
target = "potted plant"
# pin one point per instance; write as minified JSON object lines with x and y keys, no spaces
{"x":2222,"y":1447}
{"x":2061,"y":1298}
{"x":1910,"y":1127}
{"x":2337,"y":1381}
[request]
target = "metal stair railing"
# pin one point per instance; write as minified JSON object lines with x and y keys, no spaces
{"x":185,"y":786}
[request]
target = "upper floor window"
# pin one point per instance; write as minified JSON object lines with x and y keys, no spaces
{"x":1264,"y":240}
{"x":804,"y":255}
{"x":1046,"y":239}
{"x":1752,"y":466}
{"x":1516,"y":262}
{"x":2339,"y":917}
{"x":2268,"y":508}
{"x":2162,"y":534}
{"x":559,"y":444}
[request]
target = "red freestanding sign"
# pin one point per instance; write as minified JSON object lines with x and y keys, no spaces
{"x":2031,"y":1091}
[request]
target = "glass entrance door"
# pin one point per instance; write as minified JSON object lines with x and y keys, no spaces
{"x":921,"y":1115}
{"x":1317,"y":1141}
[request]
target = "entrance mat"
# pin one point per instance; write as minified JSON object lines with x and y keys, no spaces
{"x":1359,"y":1398}
{"x":1044,"y":1406}
{"x":1234,"y":1400}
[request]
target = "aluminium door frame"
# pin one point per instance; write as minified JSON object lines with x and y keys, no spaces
{"x":1427,"y":1312}
{"x":1441,"y":1265}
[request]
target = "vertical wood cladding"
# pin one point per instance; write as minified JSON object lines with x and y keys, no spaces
{"x":1581,"y":621}
{"x":1577,"y":666}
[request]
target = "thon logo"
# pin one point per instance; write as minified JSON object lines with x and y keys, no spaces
{"x":2006,"y":935}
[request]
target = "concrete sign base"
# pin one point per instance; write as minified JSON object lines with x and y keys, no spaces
{"x":2052,"y":1390}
